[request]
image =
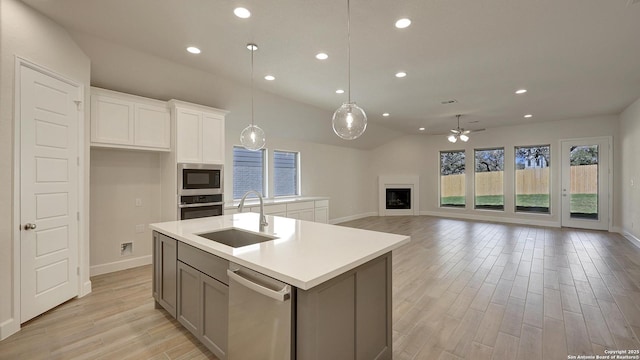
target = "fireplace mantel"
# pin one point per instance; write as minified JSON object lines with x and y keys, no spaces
{"x":398,"y":181}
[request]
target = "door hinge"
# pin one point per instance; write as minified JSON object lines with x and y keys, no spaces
{"x":78,"y":160}
{"x":78,"y":270}
{"x":78,"y":215}
{"x":78,"y":104}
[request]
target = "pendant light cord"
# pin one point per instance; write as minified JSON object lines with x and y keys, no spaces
{"x":349,"y":51}
{"x":252,"y":50}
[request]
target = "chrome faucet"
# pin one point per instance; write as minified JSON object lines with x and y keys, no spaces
{"x":263,"y":219}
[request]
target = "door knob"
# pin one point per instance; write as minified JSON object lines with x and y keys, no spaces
{"x":30,"y":226}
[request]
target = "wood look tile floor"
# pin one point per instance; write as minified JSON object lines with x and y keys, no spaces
{"x":462,"y":290}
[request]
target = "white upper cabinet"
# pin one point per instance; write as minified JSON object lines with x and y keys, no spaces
{"x":121,"y":120}
{"x":199,"y":133}
{"x":189,"y":136}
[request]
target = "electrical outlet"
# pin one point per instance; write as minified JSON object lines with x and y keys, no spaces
{"x":126,"y":249}
{"x":140,"y":228}
{"x":138,"y":202}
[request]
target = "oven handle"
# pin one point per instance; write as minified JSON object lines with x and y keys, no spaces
{"x":182,"y":206}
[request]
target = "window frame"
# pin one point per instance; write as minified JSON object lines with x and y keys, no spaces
{"x":298,"y":173}
{"x":464,"y":206}
{"x":475,"y":182}
{"x":515,"y":180}
{"x":265,"y":166}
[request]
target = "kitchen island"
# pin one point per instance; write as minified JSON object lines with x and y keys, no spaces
{"x":340,"y":278}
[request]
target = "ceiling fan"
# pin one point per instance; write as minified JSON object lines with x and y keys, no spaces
{"x":460,"y":133}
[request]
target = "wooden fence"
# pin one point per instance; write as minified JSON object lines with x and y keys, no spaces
{"x":584,"y":180}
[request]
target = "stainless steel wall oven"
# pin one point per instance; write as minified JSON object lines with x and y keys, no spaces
{"x":198,"y":206}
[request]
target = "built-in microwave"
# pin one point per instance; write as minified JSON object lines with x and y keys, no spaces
{"x":200,"y":179}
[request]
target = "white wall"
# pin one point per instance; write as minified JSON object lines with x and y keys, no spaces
{"x":28,"y":34}
{"x":419,"y":155}
{"x":325,"y":170}
{"x":118,"y":178}
{"x":629,"y":216}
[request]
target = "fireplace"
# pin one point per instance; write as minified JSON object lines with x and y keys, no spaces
{"x":398,"y":195}
{"x":398,"y":198}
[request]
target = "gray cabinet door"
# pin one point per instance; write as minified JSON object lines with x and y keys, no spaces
{"x":373,"y":310}
{"x":348,"y":317}
{"x":188,"y":309}
{"x":165,"y":261}
{"x":215,"y":315}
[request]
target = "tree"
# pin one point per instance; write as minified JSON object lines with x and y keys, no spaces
{"x":490,"y":160}
{"x":532,"y":153}
{"x":452,"y":163}
{"x":584,"y":155}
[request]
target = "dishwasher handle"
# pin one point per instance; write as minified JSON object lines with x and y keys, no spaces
{"x":281,"y":295}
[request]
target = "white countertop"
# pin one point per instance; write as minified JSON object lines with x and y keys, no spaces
{"x":305,"y":254}
{"x":271,"y":201}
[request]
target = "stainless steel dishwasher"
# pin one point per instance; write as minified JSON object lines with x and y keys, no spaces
{"x":260,"y":316}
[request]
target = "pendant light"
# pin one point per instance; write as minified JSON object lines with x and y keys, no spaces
{"x":349,"y":121}
{"x":252,"y":137}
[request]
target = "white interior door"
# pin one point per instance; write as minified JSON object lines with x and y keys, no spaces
{"x":585,"y":183}
{"x":48,"y":192}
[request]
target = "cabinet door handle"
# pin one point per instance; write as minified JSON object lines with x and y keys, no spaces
{"x":280,"y":295}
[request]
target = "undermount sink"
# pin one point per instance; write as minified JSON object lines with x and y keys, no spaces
{"x":236,"y":238}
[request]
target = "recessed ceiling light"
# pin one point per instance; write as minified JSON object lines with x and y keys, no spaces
{"x":521,"y":91}
{"x":339,"y":91}
{"x":401,"y":74}
{"x":193,"y":50}
{"x":242,"y":12}
{"x":322,"y":56}
{"x":252,"y":47}
{"x":528,"y":116}
{"x":385,"y":114}
{"x":270,"y":77}
{"x":403,"y":23}
{"x":421,"y":129}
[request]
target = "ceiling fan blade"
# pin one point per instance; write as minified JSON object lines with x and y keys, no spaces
{"x":455,"y":131}
{"x":476,"y":130}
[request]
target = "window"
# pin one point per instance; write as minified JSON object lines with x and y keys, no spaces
{"x":248,"y":171}
{"x":488,"y":179}
{"x":532,"y":178}
{"x":285,"y":173}
{"x":452,"y":178}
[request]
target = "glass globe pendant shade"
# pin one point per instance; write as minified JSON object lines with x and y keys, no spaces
{"x":252,"y":138}
{"x":349,"y":121}
{"x":464,"y":137}
{"x":452,"y":138}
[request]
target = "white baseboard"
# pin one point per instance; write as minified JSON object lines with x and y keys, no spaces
{"x":627,"y":235}
{"x":8,"y":328}
{"x":499,"y":219}
{"x":120,"y":265}
{"x":352,"y":217}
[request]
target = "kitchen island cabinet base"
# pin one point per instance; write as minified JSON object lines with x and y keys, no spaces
{"x":348,"y":317}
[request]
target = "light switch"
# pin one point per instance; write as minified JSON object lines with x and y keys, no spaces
{"x":138,"y":202}
{"x":140,"y":228}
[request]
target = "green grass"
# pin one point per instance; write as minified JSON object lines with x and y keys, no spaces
{"x":580,"y":203}
{"x":452,"y":201}
{"x":533,"y":200}
{"x":491,"y":200}
{"x":584,"y":203}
